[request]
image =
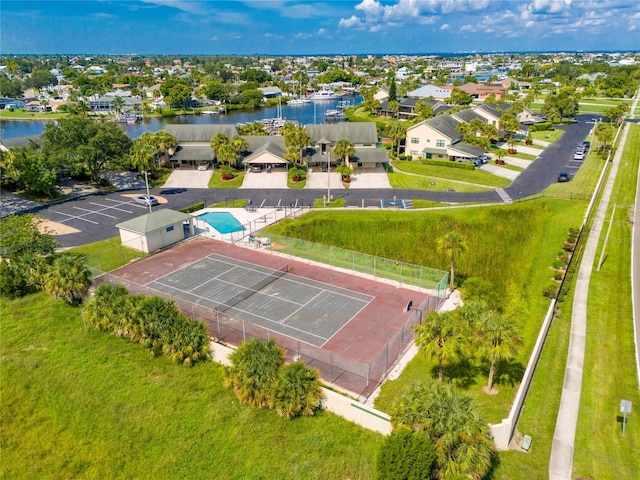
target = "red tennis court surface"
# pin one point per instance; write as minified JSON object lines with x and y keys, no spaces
{"x":357,"y":357}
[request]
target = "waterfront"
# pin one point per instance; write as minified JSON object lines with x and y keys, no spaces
{"x":309,"y":113}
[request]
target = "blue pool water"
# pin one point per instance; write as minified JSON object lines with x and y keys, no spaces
{"x":223,"y":222}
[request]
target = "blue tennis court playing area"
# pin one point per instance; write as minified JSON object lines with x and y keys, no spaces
{"x":276,"y":299}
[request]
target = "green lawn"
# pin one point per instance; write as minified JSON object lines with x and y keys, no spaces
{"x":610,"y":373}
{"x":457,"y":175}
{"x":108,"y":255}
{"x":216,"y":180}
{"x":547,"y":135}
{"x":83,"y":404}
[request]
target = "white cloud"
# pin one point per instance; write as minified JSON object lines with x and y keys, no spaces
{"x":444,"y":26}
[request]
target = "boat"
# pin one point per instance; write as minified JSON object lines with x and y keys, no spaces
{"x":297,"y":101}
{"x":326,"y":94}
{"x":343,"y":104}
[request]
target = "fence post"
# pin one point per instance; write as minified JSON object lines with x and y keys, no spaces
{"x":244,"y":333}
{"x":218,"y":322}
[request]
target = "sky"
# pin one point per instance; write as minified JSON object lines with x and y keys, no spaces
{"x":294,"y":27}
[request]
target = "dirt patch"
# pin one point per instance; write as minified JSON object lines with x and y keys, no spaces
{"x":56,"y":228}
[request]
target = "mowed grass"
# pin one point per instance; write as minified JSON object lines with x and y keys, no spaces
{"x":609,"y":369}
{"x":507,"y":245}
{"x":477,"y":177}
{"x":83,"y":404}
{"x":216,"y":180}
{"x":107,"y":255}
{"x":547,"y":135}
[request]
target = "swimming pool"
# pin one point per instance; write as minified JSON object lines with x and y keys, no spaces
{"x":223,"y":222}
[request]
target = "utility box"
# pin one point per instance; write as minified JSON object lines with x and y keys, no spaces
{"x":526,"y":443}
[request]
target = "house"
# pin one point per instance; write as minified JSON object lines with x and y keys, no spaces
{"x":481,"y":92}
{"x":265,"y":153}
{"x":271,"y":92}
{"x":11,"y":103}
{"x":432,"y":91}
{"x":437,"y":138}
{"x":194,"y":143}
{"x":407,"y":107}
{"x":492,"y":114}
{"x":156,"y":230}
{"x":363,"y":136}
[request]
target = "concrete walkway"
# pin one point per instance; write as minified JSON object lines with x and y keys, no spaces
{"x":562,"y":448}
{"x":500,"y":171}
{"x":188,"y":179}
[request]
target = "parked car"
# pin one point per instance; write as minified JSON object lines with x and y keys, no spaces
{"x":256,"y":169}
{"x":144,"y":200}
{"x":564,"y":177}
{"x":578,"y":156}
{"x":202,"y":168}
{"x":587,"y":145}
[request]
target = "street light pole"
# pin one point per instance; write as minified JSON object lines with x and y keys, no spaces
{"x":329,"y":175}
{"x":146,"y":181}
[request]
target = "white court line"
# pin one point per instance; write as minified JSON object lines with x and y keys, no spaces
{"x":78,"y":217}
{"x":97,"y":212}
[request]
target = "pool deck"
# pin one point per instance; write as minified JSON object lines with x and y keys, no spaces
{"x":253,"y":220}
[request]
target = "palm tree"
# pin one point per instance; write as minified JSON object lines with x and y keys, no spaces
{"x":498,"y":337}
{"x":118,"y":103}
{"x":165,"y":144}
{"x":217,"y":141}
{"x":463,"y":444}
{"x":254,"y":370}
{"x":239,"y":144}
{"x":68,"y":277}
{"x":440,"y":336}
{"x":396,"y":131}
{"x":452,"y":245}
{"x":343,"y":150}
{"x":296,"y":137}
{"x":227,"y":154}
{"x":143,"y":158}
{"x":296,"y":391}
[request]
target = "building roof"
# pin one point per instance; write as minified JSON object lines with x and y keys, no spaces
{"x":153,"y":221}
{"x":270,"y":147}
{"x":363,"y":133}
{"x":431,"y":91}
{"x":468,"y":114}
{"x":466,"y":150}
{"x":200,"y":133}
{"x":446,"y":125}
{"x":186,"y":152}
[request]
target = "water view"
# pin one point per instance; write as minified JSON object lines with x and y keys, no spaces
{"x":305,"y":114}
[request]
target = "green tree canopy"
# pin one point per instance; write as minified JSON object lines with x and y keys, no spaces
{"x":296,"y":391}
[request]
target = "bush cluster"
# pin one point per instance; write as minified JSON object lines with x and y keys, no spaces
{"x":540,"y":127}
{"x":151,"y":321}
{"x":193,"y":208}
{"x":260,"y":378}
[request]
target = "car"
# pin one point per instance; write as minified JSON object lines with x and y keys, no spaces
{"x":563,"y":177}
{"x":578,"y":156}
{"x":144,"y":200}
{"x":256,"y":169}
{"x":587,"y":145}
{"x":202,"y":168}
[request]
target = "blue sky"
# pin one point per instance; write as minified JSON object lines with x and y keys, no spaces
{"x":280,"y":27}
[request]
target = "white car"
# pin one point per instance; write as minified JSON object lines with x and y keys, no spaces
{"x":144,"y":200}
{"x":578,"y":156}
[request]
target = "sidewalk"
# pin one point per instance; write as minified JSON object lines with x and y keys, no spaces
{"x":562,"y":448}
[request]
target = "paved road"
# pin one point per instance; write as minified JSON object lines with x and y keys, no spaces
{"x":111,"y":209}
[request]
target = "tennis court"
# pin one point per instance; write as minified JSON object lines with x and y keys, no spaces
{"x":280,"y":301}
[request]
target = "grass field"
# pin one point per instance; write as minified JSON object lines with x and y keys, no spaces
{"x":82,"y":404}
{"x":107,"y":254}
{"x":610,"y":373}
{"x":431,"y":172}
{"x":547,"y":135}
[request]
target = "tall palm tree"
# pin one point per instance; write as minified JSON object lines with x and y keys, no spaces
{"x":452,"y":245}
{"x":227,"y":155}
{"x":397,"y":132}
{"x":239,"y":144}
{"x":440,"y":336}
{"x":165,"y":144}
{"x":118,"y":103}
{"x":143,"y":158}
{"x":498,"y":338}
{"x":344,"y":150}
{"x":217,"y":141}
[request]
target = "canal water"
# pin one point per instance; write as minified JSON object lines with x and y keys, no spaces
{"x":305,"y":114}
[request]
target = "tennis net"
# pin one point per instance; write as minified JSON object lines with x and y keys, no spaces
{"x":268,"y":278}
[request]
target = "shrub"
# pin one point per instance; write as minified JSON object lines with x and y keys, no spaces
{"x":193,"y":208}
{"x":406,"y":454}
{"x":564,"y":256}
{"x":540,"y":127}
{"x":550,"y":291}
{"x":296,"y":391}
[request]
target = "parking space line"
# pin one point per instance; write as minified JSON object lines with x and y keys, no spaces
{"x":109,"y":207}
{"x":77,"y":217}
{"x":97,"y":212}
{"x":130,"y":203}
